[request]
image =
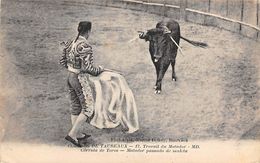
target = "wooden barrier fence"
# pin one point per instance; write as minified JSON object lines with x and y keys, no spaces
{"x":240,"y":16}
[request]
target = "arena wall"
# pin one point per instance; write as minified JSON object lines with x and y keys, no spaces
{"x":240,"y":16}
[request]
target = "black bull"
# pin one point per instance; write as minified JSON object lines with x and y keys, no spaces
{"x":162,"y":48}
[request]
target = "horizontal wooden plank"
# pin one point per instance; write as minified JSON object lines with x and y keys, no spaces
{"x":135,"y":6}
{"x":248,"y":32}
{"x":195,"y":17}
{"x":224,"y":18}
{"x":222,"y":23}
{"x":172,"y":12}
{"x":156,"y":9}
{"x":234,"y":9}
{"x":116,"y":4}
{"x":250,"y":10}
{"x":202,"y":5}
{"x":172,"y":2}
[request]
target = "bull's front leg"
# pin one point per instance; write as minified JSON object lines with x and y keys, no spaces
{"x":174,"y":77}
{"x":162,"y":69}
{"x":157,"y":75}
{"x":158,"y":88}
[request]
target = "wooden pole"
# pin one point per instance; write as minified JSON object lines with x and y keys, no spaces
{"x":227,"y":8}
{"x":257,"y":16}
{"x":257,"y":13}
{"x":164,"y":8}
{"x":183,"y":6}
{"x":242,"y":14}
{"x":209,"y":6}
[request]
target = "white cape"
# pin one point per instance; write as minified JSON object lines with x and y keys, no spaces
{"x":114,"y":102}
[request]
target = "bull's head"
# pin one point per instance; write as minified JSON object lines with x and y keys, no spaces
{"x":157,"y":39}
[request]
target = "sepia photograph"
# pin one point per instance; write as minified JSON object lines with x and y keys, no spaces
{"x":130,"y":81}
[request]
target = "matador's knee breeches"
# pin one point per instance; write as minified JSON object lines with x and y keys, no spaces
{"x":79,"y":104}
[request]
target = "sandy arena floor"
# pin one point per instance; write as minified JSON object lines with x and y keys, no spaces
{"x":216,"y":96}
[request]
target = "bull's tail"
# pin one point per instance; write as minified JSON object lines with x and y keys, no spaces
{"x":196,"y":43}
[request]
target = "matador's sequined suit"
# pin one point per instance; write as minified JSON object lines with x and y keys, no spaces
{"x":79,"y":62}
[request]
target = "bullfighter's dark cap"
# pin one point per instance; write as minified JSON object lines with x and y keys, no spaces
{"x":84,"y":26}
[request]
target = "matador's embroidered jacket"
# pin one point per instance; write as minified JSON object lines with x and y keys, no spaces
{"x":79,"y":55}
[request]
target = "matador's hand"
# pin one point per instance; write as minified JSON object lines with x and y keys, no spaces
{"x":101,"y":68}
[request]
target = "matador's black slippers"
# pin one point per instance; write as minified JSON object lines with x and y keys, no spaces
{"x":75,"y":142}
{"x":83,"y":137}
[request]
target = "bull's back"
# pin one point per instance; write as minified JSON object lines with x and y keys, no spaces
{"x":172,"y":25}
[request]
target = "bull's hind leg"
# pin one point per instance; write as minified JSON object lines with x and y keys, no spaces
{"x":163,"y":68}
{"x":174,"y":77}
